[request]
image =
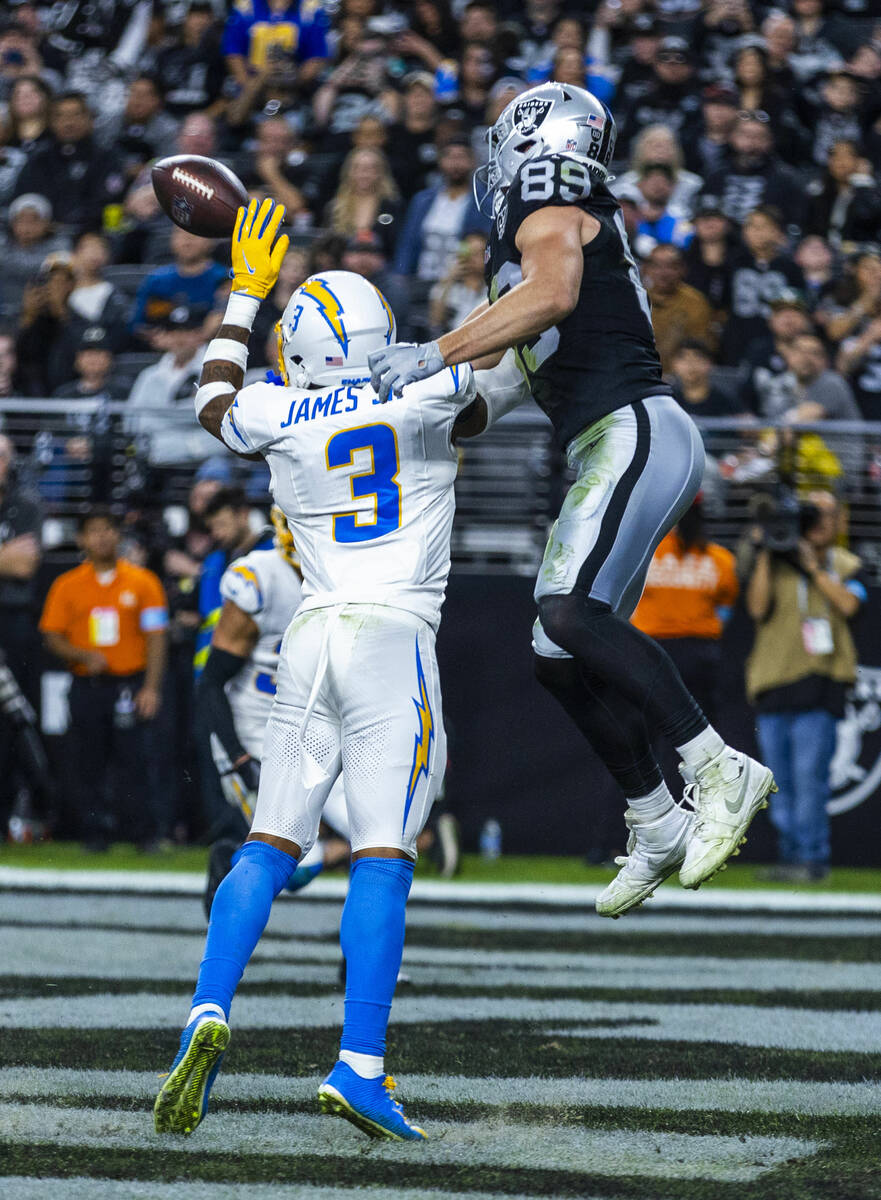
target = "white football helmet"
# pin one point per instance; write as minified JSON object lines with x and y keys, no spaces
{"x":553,"y":118}
{"x":330,"y":325}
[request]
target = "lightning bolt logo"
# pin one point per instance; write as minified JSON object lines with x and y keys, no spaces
{"x":388,"y":312}
{"x":329,"y":307}
{"x":424,"y":738}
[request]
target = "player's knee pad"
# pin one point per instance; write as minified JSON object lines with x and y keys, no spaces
{"x":564,"y":618}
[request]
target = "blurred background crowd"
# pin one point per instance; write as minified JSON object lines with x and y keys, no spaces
{"x":747,"y":168}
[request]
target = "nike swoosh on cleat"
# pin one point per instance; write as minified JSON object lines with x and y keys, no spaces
{"x":247,"y":264}
{"x":738,"y":803}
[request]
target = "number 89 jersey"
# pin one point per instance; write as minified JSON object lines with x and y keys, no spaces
{"x":602,"y":356}
{"x":367,"y":488}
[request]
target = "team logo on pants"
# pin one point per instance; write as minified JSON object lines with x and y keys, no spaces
{"x":424,"y":735}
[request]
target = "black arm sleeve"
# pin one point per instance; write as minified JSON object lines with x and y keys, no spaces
{"x":213,"y":713}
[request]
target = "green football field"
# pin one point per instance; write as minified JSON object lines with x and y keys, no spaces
{"x":707,"y":1051}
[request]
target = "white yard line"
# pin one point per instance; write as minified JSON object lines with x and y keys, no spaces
{"x":81,"y":1188}
{"x":714,"y":1095}
{"x":669,"y":897}
{"x":783,"y":1028}
{"x":501,"y":1143}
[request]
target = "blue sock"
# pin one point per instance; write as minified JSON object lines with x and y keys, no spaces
{"x":238,"y":917}
{"x":372,"y":940}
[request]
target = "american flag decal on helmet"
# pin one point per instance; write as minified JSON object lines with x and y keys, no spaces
{"x":333,"y":361}
{"x":594,"y":121}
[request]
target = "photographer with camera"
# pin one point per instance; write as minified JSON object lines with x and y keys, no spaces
{"x":802,"y":590}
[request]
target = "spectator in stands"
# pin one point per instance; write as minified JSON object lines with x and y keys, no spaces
{"x":657,"y":220}
{"x":19,"y":56}
{"x":814,"y":52}
{"x":707,"y":149}
{"x":707,"y":265}
{"x":30,"y":103}
{"x":93,"y":298}
{"x":859,"y":361}
{"x":366,"y":199}
{"x":190,"y":71}
{"x":764,"y":360}
{"x":759,"y":273}
{"x":693,"y":387}
{"x":814,"y":257}
{"x":411,"y":147}
{"x":93,"y":366}
{"x":845,"y":205}
{"x":760,"y":93}
{"x":142,"y":131}
{"x":658,"y":146}
{"x":107,"y":621}
{"x":811,"y":391}
{"x":437,"y":220}
{"x":164,"y":392}
{"x":259,"y":33}
{"x":462,"y":289}
{"x":670,"y":99}
{"x":802,"y":661}
{"x":48,"y":329}
{"x":281,"y":169}
{"x":193,"y":279}
{"x":464,"y":87}
{"x":31,"y":238}
{"x":78,"y":178}
{"x":359,"y":84}
{"x":678,"y":310}
{"x":637,"y":54}
{"x":690,"y":591}
{"x":859,"y":296}
{"x":11,"y":162}
{"x":754,"y":176}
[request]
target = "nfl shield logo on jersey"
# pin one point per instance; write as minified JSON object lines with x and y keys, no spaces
{"x":529,"y":114}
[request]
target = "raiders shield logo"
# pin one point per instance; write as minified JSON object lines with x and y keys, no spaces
{"x":181,"y":211}
{"x":855,"y":770}
{"x":529,"y":114}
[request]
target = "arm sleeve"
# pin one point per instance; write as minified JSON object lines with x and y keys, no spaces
{"x":154,"y":606}
{"x":213,"y":713}
{"x":502,"y":388}
{"x":241,"y":584}
{"x":253,"y":420}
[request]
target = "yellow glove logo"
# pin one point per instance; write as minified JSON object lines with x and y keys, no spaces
{"x":255,"y":261}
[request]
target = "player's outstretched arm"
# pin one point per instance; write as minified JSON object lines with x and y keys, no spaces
{"x":256,"y":261}
{"x":550,"y":242}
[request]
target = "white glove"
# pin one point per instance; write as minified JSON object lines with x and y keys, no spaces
{"x":394,"y":367}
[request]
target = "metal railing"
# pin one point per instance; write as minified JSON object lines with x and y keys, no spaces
{"x":510,"y":486}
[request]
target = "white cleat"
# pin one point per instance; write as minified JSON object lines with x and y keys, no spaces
{"x":655,"y":849}
{"x":726,"y":793}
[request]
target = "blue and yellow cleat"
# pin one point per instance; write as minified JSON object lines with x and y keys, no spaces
{"x":183,"y":1098}
{"x":368,"y":1104}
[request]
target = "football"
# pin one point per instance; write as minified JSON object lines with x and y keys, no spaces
{"x":200,"y":194}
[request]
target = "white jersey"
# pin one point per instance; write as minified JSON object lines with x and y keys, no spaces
{"x":267,"y":588}
{"x":367,"y":488}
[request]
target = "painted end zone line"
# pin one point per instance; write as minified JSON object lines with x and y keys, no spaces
{"x":183,"y":883}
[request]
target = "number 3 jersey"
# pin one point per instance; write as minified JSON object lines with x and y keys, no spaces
{"x":367,"y":488}
{"x":267,"y":588}
{"x":602,"y":356}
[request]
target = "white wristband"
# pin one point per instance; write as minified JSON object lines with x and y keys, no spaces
{"x":208,"y":391}
{"x":241,"y":310}
{"x":226,"y":350}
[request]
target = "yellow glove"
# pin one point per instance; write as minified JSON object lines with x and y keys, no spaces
{"x":255,"y":261}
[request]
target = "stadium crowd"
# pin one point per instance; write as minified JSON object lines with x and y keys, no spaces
{"x":747,"y":166}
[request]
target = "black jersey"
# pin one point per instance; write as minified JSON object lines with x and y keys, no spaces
{"x":602,"y":356}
